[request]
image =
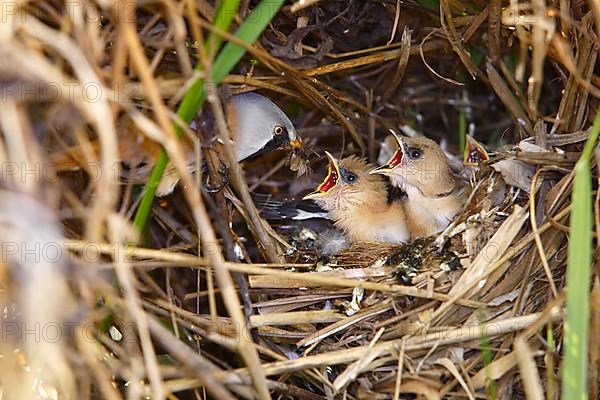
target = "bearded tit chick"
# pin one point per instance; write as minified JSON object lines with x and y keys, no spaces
{"x":474,"y":153}
{"x":476,"y":170}
{"x":474,"y":157}
{"x":356,"y":202}
{"x":435,"y":195}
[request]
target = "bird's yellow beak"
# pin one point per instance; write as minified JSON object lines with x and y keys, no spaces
{"x":333,"y":174}
{"x":474,"y":153}
{"x":396,"y":158}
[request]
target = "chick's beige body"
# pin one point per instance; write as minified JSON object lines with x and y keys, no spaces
{"x":357,"y":203}
{"x":429,"y":215}
{"x":434,"y":194}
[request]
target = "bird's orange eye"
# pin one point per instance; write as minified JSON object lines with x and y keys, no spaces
{"x":279,"y":130}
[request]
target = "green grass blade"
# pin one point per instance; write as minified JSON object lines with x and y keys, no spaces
{"x":433,"y":5}
{"x":248,"y":32}
{"x":487,"y":358}
{"x":143,"y":211}
{"x":574,"y":368}
{"x":222,"y":20}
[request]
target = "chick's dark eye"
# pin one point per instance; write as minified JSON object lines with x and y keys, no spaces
{"x":351,"y":177}
{"x":415,"y":153}
{"x":279,"y":130}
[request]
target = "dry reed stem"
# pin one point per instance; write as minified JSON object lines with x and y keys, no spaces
{"x":203,"y":370}
{"x":449,"y":365}
{"x":360,"y":365}
{"x":293,"y":318}
{"x":92,"y":355}
{"x":523,"y":243}
{"x":202,"y":220}
{"x":317,"y":278}
{"x":343,"y":324}
{"x":98,"y":112}
{"x":529,"y":373}
{"x":419,"y":342}
{"x":534,"y":228}
{"x":126,"y":280}
{"x":302,"y":4}
{"x":496,"y":245}
{"x":399,"y":369}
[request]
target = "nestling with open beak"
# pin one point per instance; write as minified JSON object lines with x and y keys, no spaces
{"x":357,"y":203}
{"x":474,"y":157}
{"x":435,"y":195}
{"x":474,"y":153}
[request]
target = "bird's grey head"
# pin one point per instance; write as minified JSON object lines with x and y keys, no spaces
{"x":261,"y":126}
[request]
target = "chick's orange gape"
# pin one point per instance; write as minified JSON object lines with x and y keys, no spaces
{"x":330,"y":180}
{"x":474,"y":153}
{"x":396,"y":159}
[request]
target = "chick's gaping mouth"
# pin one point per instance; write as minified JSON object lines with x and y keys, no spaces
{"x":475,"y":154}
{"x":396,"y":159}
{"x":330,"y":180}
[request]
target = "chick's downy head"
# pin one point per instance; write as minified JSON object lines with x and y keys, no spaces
{"x":419,"y":164}
{"x":349,"y":186}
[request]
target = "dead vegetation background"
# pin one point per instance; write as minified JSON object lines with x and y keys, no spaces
{"x":99,"y":80}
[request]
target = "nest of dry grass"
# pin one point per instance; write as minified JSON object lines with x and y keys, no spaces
{"x":198,"y":309}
